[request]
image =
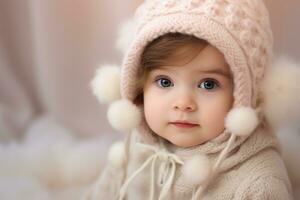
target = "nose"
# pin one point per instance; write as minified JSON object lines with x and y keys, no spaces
{"x":185,"y":103}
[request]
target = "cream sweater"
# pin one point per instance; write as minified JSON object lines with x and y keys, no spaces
{"x":253,"y":170}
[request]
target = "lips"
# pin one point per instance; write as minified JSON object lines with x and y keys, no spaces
{"x":184,"y":124}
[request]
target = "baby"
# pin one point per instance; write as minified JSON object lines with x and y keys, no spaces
{"x":192,"y":104}
{"x":187,"y":91}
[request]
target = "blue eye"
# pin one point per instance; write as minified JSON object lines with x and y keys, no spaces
{"x":164,"y":82}
{"x":208,"y":84}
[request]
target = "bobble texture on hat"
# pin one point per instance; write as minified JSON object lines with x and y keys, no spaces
{"x":239,"y":29}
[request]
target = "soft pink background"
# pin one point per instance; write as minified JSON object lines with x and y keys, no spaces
{"x":49,"y":51}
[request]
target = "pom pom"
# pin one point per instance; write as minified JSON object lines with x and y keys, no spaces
{"x":281,"y":93}
{"x":197,"y":169}
{"x":116,"y":154}
{"x":241,"y":121}
{"x":126,"y":35}
{"x":123,"y":115}
{"x":106,"y":84}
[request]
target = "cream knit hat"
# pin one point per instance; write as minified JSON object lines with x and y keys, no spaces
{"x":240,"y":29}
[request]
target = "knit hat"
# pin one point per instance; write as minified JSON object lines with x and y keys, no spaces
{"x":240,"y":29}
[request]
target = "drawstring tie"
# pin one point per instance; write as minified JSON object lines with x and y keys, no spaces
{"x":166,"y":172}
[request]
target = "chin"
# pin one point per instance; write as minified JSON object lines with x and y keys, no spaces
{"x":185,"y":144}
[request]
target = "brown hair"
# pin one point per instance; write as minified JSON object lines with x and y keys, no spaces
{"x":169,"y":49}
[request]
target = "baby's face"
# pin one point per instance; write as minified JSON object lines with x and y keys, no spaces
{"x":187,"y":104}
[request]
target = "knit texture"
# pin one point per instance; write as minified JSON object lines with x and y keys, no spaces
{"x":253,"y":170}
{"x":240,"y":29}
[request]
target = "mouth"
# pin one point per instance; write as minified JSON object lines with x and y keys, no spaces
{"x":184,"y":124}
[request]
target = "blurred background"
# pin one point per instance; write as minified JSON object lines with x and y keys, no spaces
{"x":49,"y":119}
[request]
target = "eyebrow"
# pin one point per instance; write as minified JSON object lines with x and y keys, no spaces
{"x":207,"y":71}
{"x":217,"y":71}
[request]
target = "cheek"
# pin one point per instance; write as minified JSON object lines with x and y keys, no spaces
{"x":217,"y":109}
{"x":153,"y":110}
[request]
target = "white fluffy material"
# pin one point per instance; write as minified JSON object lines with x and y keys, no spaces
{"x":82,"y":162}
{"x":50,"y":157}
{"x":57,"y":158}
{"x":116,"y":155}
{"x":126,"y":35}
{"x":22,"y":187}
{"x":281,"y":91}
{"x":197,"y":169}
{"x":106,"y":83}
{"x":241,"y":121}
{"x":123,"y":115}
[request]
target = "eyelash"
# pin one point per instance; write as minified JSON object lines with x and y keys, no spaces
{"x":216,"y":83}
{"x":158,"y":79}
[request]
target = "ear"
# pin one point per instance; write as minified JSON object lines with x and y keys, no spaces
{"x":281,"y":94}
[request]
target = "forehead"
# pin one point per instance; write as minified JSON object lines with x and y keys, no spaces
{"x":209,"y":60}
